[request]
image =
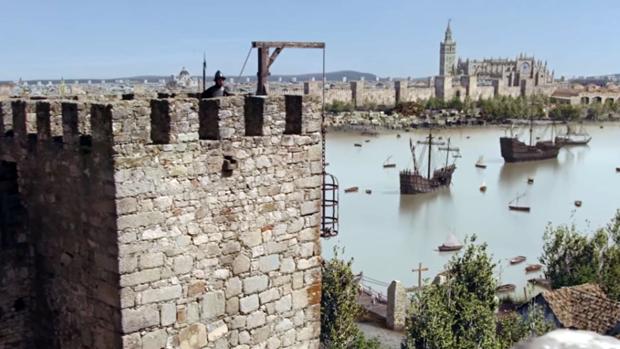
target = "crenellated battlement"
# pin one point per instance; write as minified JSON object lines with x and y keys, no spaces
{"x":162,"y":222}
{"x":157,"y":121}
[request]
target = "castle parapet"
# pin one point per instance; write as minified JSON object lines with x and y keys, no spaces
{"x":158,"y":121}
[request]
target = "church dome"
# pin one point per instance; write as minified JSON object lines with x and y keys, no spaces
{"x":183,"y":72}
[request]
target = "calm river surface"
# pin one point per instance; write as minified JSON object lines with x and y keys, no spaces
{"x":388,"y":234}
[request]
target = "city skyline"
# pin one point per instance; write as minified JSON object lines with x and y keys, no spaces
{"x":99,"y":41}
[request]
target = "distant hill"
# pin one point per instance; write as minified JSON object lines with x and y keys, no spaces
{"x":600,"y":80}
{"x":331,"y":76}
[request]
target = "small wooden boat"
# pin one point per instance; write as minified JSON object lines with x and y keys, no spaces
{"x":514,"y":205}
{"x":367,"y":141}
{"x":519,"y":208}
{"x":541,"y":282}
{"x":452,"y":244}
{"x":388,"y":164}
{"x":532,"y":268}
{"x":352,"y":190}
{"x":369,"y":132}
{"x":517,"y":260}
{"x":368,"y":191}
{"x":357,"y":145}
{"x":530,"y":180}
{"x":398,"y":135}
{"x":483,"y":187}
{"x":480,"y":163}
{"x":578,"y":203}
{"x":505,"y":288}
{"x":617,"y":169}
{"x":467,"y":137}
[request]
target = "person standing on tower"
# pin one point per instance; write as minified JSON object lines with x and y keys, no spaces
{"x":217,"y":90}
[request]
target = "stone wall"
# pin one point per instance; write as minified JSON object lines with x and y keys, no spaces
{"x":173,"y":223}
{"x":65,"y":185}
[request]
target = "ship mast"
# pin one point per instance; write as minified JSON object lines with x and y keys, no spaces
{"x":415,"y":163}
{"x":448,"y":152}
{"x":430,"y":142}
{"x":531,"y":128}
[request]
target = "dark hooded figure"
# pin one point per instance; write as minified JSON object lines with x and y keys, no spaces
{"x":217,"y":90}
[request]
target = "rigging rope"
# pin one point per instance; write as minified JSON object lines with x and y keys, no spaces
{"x":244,"y":63}
{"x":323,"y":130}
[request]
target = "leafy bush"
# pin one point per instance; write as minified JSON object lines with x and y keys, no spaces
{"x":572,"y":258}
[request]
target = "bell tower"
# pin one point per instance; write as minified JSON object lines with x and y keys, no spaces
{"x":447,"y":54}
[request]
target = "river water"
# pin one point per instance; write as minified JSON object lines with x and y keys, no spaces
{"x":388,"y":234}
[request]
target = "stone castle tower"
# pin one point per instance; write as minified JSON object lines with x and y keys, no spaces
{"x":447,"y":54}
{"x":161,"y":223}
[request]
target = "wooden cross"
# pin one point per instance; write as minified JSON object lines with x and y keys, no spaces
{"x":420,"y":270}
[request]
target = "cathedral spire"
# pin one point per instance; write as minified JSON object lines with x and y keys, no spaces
{"x":448,"y":36}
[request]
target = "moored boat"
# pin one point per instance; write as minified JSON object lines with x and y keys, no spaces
{"x":413,"y":182}
{"x":351,"y":190}
{"x":532,"y":268}
{"x":571,"y":137}
{"x":368,"y":191}
{"x":357,"y":145}
{"x":388,"y":164}
{"x":517,"y":260}
{"x":541,"y":282}
{"x":578,"y":203}
{"x":452,"y":244}
{"x":514,"y":205}
{"x":513,"y":150}
{"x":483,"y":187}
{"x":530,"y":180}
{"x":369,"y":132}
{"x":480,"y":163}
{"x":505,"y":288}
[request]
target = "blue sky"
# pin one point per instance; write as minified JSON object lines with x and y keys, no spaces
{"x":44,"y":39}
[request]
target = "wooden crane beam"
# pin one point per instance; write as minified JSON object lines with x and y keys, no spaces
{"x":265,"y":60}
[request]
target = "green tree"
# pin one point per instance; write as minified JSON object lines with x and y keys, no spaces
{"x":461,"y":312}
{"x":339,"y":308}
{"x":572,"y":258}
{"x":455,"y":103}
{"x":435,"y":103}
{"x":565,"y":112}
{"x":512,"y":328}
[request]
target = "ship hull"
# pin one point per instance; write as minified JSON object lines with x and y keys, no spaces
{"x":514,"y":150}
{"x":569,"y":141}
{"x":414,"y":183}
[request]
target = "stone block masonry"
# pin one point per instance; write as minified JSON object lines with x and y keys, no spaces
{"x":166,"y":223}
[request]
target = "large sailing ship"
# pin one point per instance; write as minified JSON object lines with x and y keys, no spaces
{"x":414,"y":182}
{"x":514,"y":150}
{"x":573,"y":137}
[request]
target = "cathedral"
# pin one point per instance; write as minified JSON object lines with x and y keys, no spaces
{"x":521,"y":76}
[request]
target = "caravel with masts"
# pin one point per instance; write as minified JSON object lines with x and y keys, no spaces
{"x":513,"y":150}
{"x":413,"y":182}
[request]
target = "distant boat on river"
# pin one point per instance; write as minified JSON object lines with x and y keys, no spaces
{"x":388,"y":164}
{"x":517,"y":260}
{"x":572,"y":137}
{"x":513,"y":150}
{"x":532,"y":268}
{"x":352,"y":190}
{"x":480,"y":163}
{"x":514,"y":205}
{"x":505,"y":288}
{"x":452,"y":244}
{"x":413,"y":182}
